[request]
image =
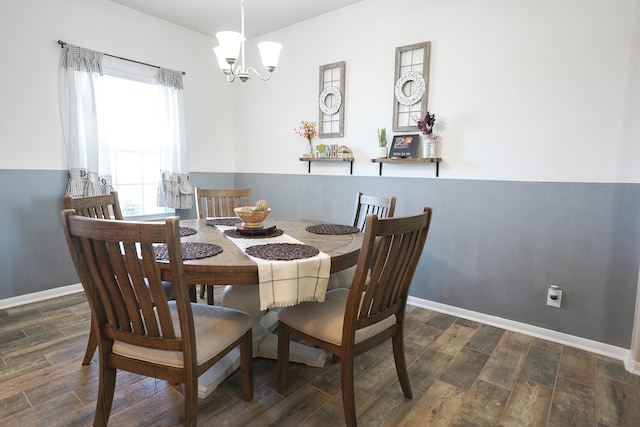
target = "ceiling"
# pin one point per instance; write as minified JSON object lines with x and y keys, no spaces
{"x":210,"y":16}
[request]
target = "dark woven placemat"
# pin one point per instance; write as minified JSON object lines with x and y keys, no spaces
{"x":237,"y":234}
{"x":190,"y":250}
{"x":187,"y":231}
{"x":282,"y":251}
{"x":223,"y":221}
{"x":332,"y":229}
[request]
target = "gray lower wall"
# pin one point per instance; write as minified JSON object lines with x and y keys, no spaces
{"x":33,"y":253}
{"x":494,"y":247}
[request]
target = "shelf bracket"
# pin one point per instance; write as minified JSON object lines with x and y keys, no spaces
{"x":380,"y":161}
{"x":327,"y":159}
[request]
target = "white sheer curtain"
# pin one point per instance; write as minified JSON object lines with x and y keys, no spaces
{"x":80,"y":87}
{"x":174,"y":189}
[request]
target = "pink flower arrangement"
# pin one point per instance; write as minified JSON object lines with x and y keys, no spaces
{"x":307,"y":129}
{"x":426,"y":124}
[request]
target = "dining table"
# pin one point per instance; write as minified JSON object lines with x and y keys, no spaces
{"x":239,"y":273}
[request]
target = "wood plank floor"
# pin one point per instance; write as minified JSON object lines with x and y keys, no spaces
{"x":462,"y":374}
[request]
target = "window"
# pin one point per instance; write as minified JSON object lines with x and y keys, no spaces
{"x":137,"y":109}
{"x":129,"y":116}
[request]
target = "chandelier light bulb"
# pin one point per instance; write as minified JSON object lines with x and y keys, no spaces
{"x":222,"y":61}
{"x":270,"y":54}
{"x":230,"y":44}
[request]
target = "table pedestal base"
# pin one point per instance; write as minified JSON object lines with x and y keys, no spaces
{"x":211,"y":378}
{"x":265,"y":343}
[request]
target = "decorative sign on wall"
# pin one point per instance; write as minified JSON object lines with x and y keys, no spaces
{"x":404,"y":146}
{"x":331,"y":101}
{"x":411,"y":83}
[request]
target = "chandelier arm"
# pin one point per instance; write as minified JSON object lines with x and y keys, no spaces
{"x":258,"y":74}
{"x":231,"y":72}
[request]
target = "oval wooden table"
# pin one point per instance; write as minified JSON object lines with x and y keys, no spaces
{"x":232,"y":267}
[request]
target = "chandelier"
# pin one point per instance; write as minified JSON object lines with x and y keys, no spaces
{"x":232,"y":46}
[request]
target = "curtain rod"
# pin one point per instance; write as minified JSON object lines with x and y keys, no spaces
{"x":63,"y":44}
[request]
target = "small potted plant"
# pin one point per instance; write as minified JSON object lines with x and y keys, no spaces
{"x":382,"y":143}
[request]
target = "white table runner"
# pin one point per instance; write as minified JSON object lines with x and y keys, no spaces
{"x":286,"y":283}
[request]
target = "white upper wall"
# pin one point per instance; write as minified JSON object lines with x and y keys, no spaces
{"x":29,"y":120}
{"x":532,"y":90}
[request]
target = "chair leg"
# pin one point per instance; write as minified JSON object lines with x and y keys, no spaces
{"x":348,"y":397}
{"x":192,"y":293}
{"x":106,"y":389}
{"x":210,"y":294}
{"x":246,"y":366}
{"x":92,"y":344}
{"x":282,"y":366}
{"x":209,"y":289}
{"x":401,"y":364}
{"x":191,"y":401}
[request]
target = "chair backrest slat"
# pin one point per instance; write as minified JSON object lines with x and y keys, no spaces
{"x":96,"y":265}
{"x":117,"y":265}
{"x":220,"y":202}
{"x":135,"y":280}
{"x":392,"y":248}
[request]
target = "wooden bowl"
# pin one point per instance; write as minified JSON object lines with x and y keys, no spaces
{"x":251,"y":218}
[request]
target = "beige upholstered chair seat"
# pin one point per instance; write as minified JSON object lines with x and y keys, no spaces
{"x":215,"y":328}
{"x":324,"y":320}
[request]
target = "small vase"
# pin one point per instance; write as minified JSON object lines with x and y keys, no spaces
{"x":429,"y":147}
{"x":310,"y":152}
{"x":382,"y":152}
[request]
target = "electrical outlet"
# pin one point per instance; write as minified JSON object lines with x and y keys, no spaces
{"x":554,"y":296}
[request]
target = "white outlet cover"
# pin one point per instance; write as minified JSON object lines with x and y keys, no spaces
{"x":557,"y":302}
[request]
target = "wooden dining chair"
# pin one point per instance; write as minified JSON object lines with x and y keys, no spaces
{"x":382,"y":207}
{"x":219,"y":203}
{"x":351,"y":321}
{"x":105,"y":207}
{"x":138,"y":329}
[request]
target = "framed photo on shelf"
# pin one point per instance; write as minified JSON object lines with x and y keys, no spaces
{"x":404,"y":146}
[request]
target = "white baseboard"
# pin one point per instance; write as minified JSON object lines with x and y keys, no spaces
{"x":535,"y":331}
{"x":40,"y":296}
{"x":631,"y":365}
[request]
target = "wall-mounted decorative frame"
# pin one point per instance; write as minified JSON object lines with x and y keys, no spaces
{"x":411,"y":84}
{"x":404,"y":146}
{"x":331,"y":100}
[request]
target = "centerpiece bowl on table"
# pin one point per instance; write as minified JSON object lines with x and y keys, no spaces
{"x":252,"y":217}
